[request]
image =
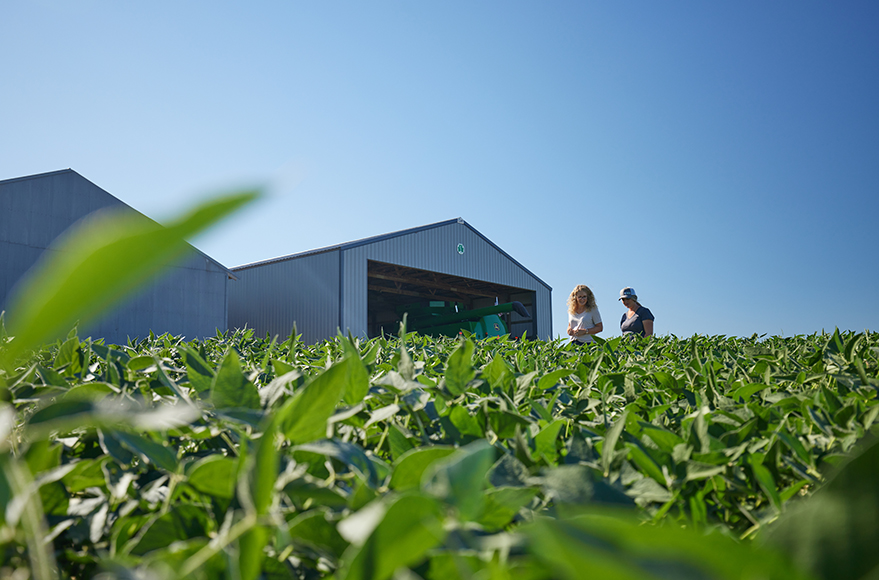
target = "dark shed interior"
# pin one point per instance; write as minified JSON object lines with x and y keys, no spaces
{"x":391,"y":286}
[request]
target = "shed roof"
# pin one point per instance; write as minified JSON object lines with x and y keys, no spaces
{"x":228,"y":271}
{"x":383,"y":237}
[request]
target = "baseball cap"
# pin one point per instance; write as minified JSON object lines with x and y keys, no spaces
{"x":628,"y":292}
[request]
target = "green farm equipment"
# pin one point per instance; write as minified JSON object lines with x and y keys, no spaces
{"x":440,"y":318}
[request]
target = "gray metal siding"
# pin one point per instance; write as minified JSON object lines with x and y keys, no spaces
{"x":435,"y":249}
{"x":188,"y":299}
{"x":543,"y":307}
{"x":15,"y":260}
{"x":270,"y":298}
{"x":36,"y":210}
{"x":326,"y":290}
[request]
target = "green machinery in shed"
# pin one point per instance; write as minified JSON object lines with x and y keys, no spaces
{"x":440,"y":318}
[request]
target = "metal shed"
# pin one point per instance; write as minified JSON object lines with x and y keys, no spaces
{"x":189,"y":299}
{"x":356,"y":286}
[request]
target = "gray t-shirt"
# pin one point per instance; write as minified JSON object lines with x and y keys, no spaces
{"x":635,"y":323}
{"x":584,"y":321}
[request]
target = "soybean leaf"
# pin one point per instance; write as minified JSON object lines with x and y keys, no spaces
{"x":545,"y":441}
{"x":698,"y":470}
{"x":833,"y":534}
{"x":748,"y":390}
{"x":765,"y":479}
{"x":646,"y":490}
{"x":610,"y":442}
{"x":312,"y":529}
{"x":550,"y":380}
{"x":251,"y":547}
{"x":459,"y":368}
{"x":71,"y":413}
{"x":263,"y":472}
{"x":666,"y":440}
{"x":411,"y":526}
{"x":214,"y":475}
{"x":50,"y":376}
{"x":199,"y":372}
{"x":64,"y":414}
{"x":86,"y":473}
{"x":614,"y":544}
{"x":182,"y":522}
{"x":304,"y":417}
{"x":68,"y":354}
{"x":465,"y":423}
{"x":382,"y":414}
{"x":348,"y":453}
{"x":508,"y":472}
{"x":504,"y":423}
{"x":577,"y":484}
{"x":149,"y":450}
{"x":230,"y":388}
{"x":412,"y":464}
{"x":141,"y":363}
{"x":358,"y":381}
{"x":502,"y":505}
{"x":796,"y":446}
{"x":398,"y":442}
{"x":42,"y":456}
{"x":498,"y":372}
{"x":646,"y":462}
{"x":460,"y":478}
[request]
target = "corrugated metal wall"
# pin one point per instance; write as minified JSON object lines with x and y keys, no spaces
{"x":326,"y":290}
{"x":269,"y":298}
{"x":190,"y":299}
{"x":435,"y":249}
{"x":34,"y":211}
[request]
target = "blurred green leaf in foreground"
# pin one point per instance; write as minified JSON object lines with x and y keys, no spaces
{"x":834,"y":534}
{"x":100,"y":261}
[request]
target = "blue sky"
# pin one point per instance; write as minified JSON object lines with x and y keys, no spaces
{"x":722,"y":158}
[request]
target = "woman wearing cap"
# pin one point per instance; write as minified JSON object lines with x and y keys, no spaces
{"x":637,"y":320}
{"x":583,"y":317}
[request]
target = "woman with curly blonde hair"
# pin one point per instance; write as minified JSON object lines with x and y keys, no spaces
{"x":584,"y":320}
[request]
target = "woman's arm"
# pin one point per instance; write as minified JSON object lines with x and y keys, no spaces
{"x":596,"y":329}
{"x":648,"y":327}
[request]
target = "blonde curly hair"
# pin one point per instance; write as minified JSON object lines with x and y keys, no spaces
{"x":572,"y":299}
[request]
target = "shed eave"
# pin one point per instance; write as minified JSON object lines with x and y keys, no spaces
{"x":388,"y":236}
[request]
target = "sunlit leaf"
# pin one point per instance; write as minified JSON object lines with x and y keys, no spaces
{"x":304,"y":417}
{"x":834,"y":534}
{"x":459,"y":368}
{"x":411,"y":526}
{"x":214,"y":475}
{"x":412,"y":464}
{"x":460,"y":478}
{"x":231,"y":388}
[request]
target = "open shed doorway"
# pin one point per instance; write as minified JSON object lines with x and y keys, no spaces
{"x":390,"y":287}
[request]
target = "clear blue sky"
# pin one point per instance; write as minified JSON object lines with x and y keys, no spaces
{"x":720,"y":157}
